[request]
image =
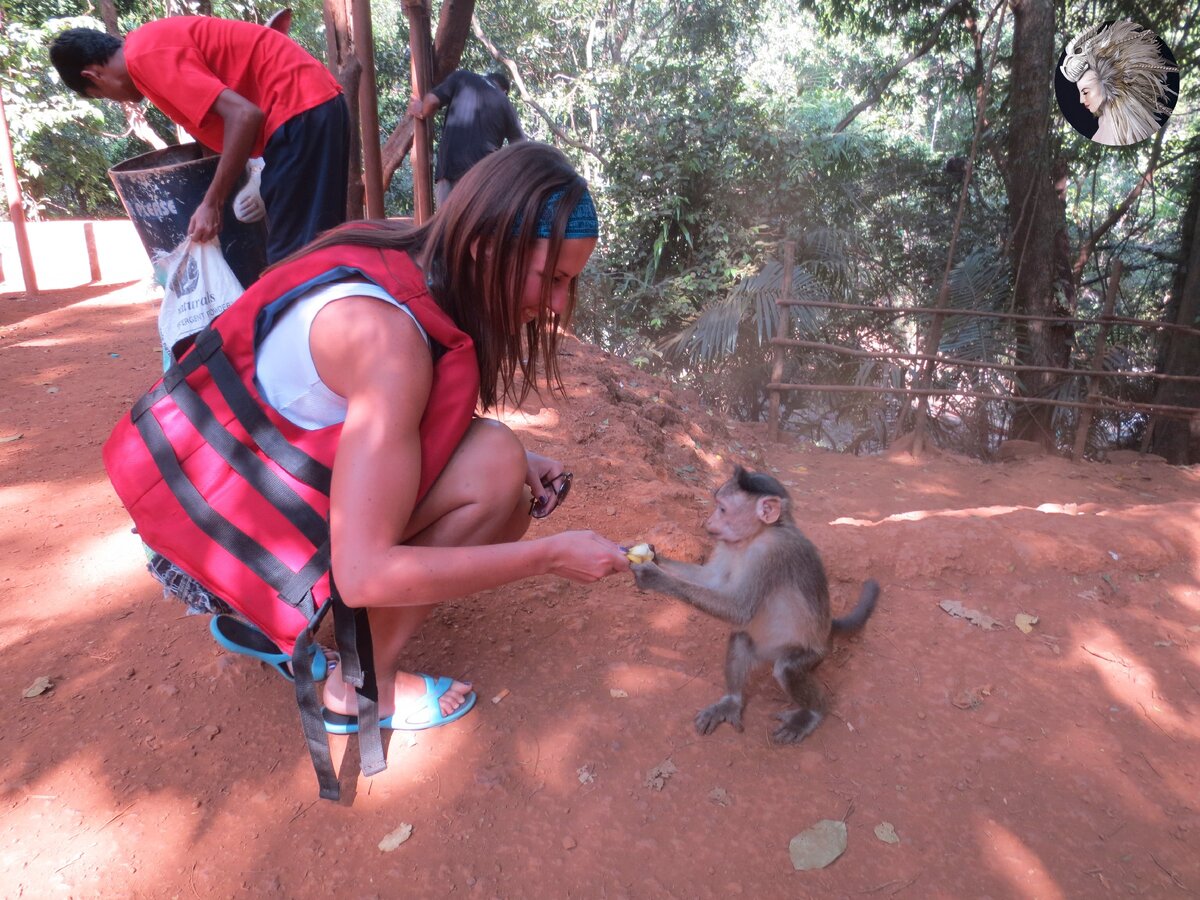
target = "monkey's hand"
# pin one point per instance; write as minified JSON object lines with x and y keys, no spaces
{"x":649,"y":577}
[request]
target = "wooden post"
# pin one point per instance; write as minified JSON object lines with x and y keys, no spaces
{"x":782,"y":331}
{"x":340,"y":58}
{"x":924,"y":379}
{"x":421,"y":49}
{"x":1085,"y":417}
{"x":16,"y":208}
{"x":368,"y":108}
{"x":89,"y":242}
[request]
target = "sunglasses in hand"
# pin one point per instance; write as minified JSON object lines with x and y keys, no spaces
{"x":560,"y":485}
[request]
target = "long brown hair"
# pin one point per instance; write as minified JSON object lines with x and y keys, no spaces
{"x":475,"y":256}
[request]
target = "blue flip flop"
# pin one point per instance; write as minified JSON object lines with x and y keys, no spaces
{"x":239,"y":636}
{"x":337,"y":723}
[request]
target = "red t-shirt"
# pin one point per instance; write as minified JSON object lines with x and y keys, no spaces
{"x":182,"y":64}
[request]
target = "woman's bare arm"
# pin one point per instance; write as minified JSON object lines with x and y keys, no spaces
{"x":372,"y":354}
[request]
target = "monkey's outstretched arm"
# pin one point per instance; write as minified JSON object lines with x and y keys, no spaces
{"x":703,"y":587}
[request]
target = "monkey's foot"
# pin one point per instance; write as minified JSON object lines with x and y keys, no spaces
{"x":797,"y":725}
{"x":727,"y":709}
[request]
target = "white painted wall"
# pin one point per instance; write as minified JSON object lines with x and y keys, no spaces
{"x":60,"y":255}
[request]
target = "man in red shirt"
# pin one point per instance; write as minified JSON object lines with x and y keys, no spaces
{"x":241,"y":90}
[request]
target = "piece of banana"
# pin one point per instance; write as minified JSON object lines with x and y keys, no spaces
{"x":640,"y":553}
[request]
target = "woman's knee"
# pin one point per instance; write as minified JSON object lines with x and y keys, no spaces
{"x":492,"y":450}
{"x":479,"y":488}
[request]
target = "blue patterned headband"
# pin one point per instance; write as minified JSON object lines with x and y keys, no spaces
{"x":582,"y":223}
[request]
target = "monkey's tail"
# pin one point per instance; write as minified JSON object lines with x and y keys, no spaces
{"x":866,"y":605}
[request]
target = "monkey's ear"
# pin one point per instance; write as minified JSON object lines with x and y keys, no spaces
{"x":769,"y":509}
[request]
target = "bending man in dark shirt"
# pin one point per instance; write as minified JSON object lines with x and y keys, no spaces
{"x":479,"y":118}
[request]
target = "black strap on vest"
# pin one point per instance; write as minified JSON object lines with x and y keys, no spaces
{"x":207,"y":351}
{"x":357,"y":656}
{"x":250,"y":466}
{"x":351,"y":627}
{"x":236,"y":542}
{"x":287,"y":456}
{"x":310,"y":710}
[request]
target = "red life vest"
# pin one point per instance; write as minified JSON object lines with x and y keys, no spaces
{"x":213,"y":476}
{"x":237,"y":496}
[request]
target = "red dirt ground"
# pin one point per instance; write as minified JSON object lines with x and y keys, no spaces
{"x":1059,"y":763}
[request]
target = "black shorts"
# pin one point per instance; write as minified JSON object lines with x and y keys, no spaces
{"x":307,"y":162}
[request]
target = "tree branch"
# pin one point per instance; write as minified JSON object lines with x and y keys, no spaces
{"x":1088,"y":247}
{"x":135,"y":114}
{"x":454,"y":27}
{"x":558,"y":131}
{"x":883,"y":84}
{"x":139,"y":126}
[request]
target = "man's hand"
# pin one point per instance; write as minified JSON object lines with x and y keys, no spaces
{"x":424,"y":107}
{"x":242,"y":120}
{"x":206,"y":223}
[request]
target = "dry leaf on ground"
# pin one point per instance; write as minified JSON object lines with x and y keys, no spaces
{"x":40,"y":685}
{"x":391,"y":841}
{"x":974,"y":616}
{"x":720,"y":796}
{"x":817,"y":847}
{"x":886,"y":832}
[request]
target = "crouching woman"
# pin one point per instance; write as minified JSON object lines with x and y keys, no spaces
{"x":319,"y":440}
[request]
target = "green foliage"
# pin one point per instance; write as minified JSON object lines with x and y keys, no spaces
{"x":709,"y":136}
{"x":63,"y":144}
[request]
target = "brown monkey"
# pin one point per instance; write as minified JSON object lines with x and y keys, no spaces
{"x":765,"y":578}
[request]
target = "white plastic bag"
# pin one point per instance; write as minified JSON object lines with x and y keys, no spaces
{"x":198,"y":285}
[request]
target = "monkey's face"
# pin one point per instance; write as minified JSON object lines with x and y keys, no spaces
{"x":735,"y":516}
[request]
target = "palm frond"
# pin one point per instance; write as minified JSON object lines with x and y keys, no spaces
{"x":826,"y":252}
{"x":979,"y":282}
{"x":713,"y":332}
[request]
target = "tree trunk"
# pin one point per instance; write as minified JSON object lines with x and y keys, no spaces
{"x":454,"y":25}
{"x":1177,"y":439}
{"x":1036,"y":214}
{"x":108,"y":12}
{"x":135,"y":113}
{"x":339,"y":49}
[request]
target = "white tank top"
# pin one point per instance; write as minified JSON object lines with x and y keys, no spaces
{"x":286,"y":374}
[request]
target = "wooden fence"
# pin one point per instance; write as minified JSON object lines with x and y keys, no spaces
{"x":928,"y":361}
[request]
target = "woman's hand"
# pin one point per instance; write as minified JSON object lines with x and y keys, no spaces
{"x":543,"y":471}
{"x":584,"y":556}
